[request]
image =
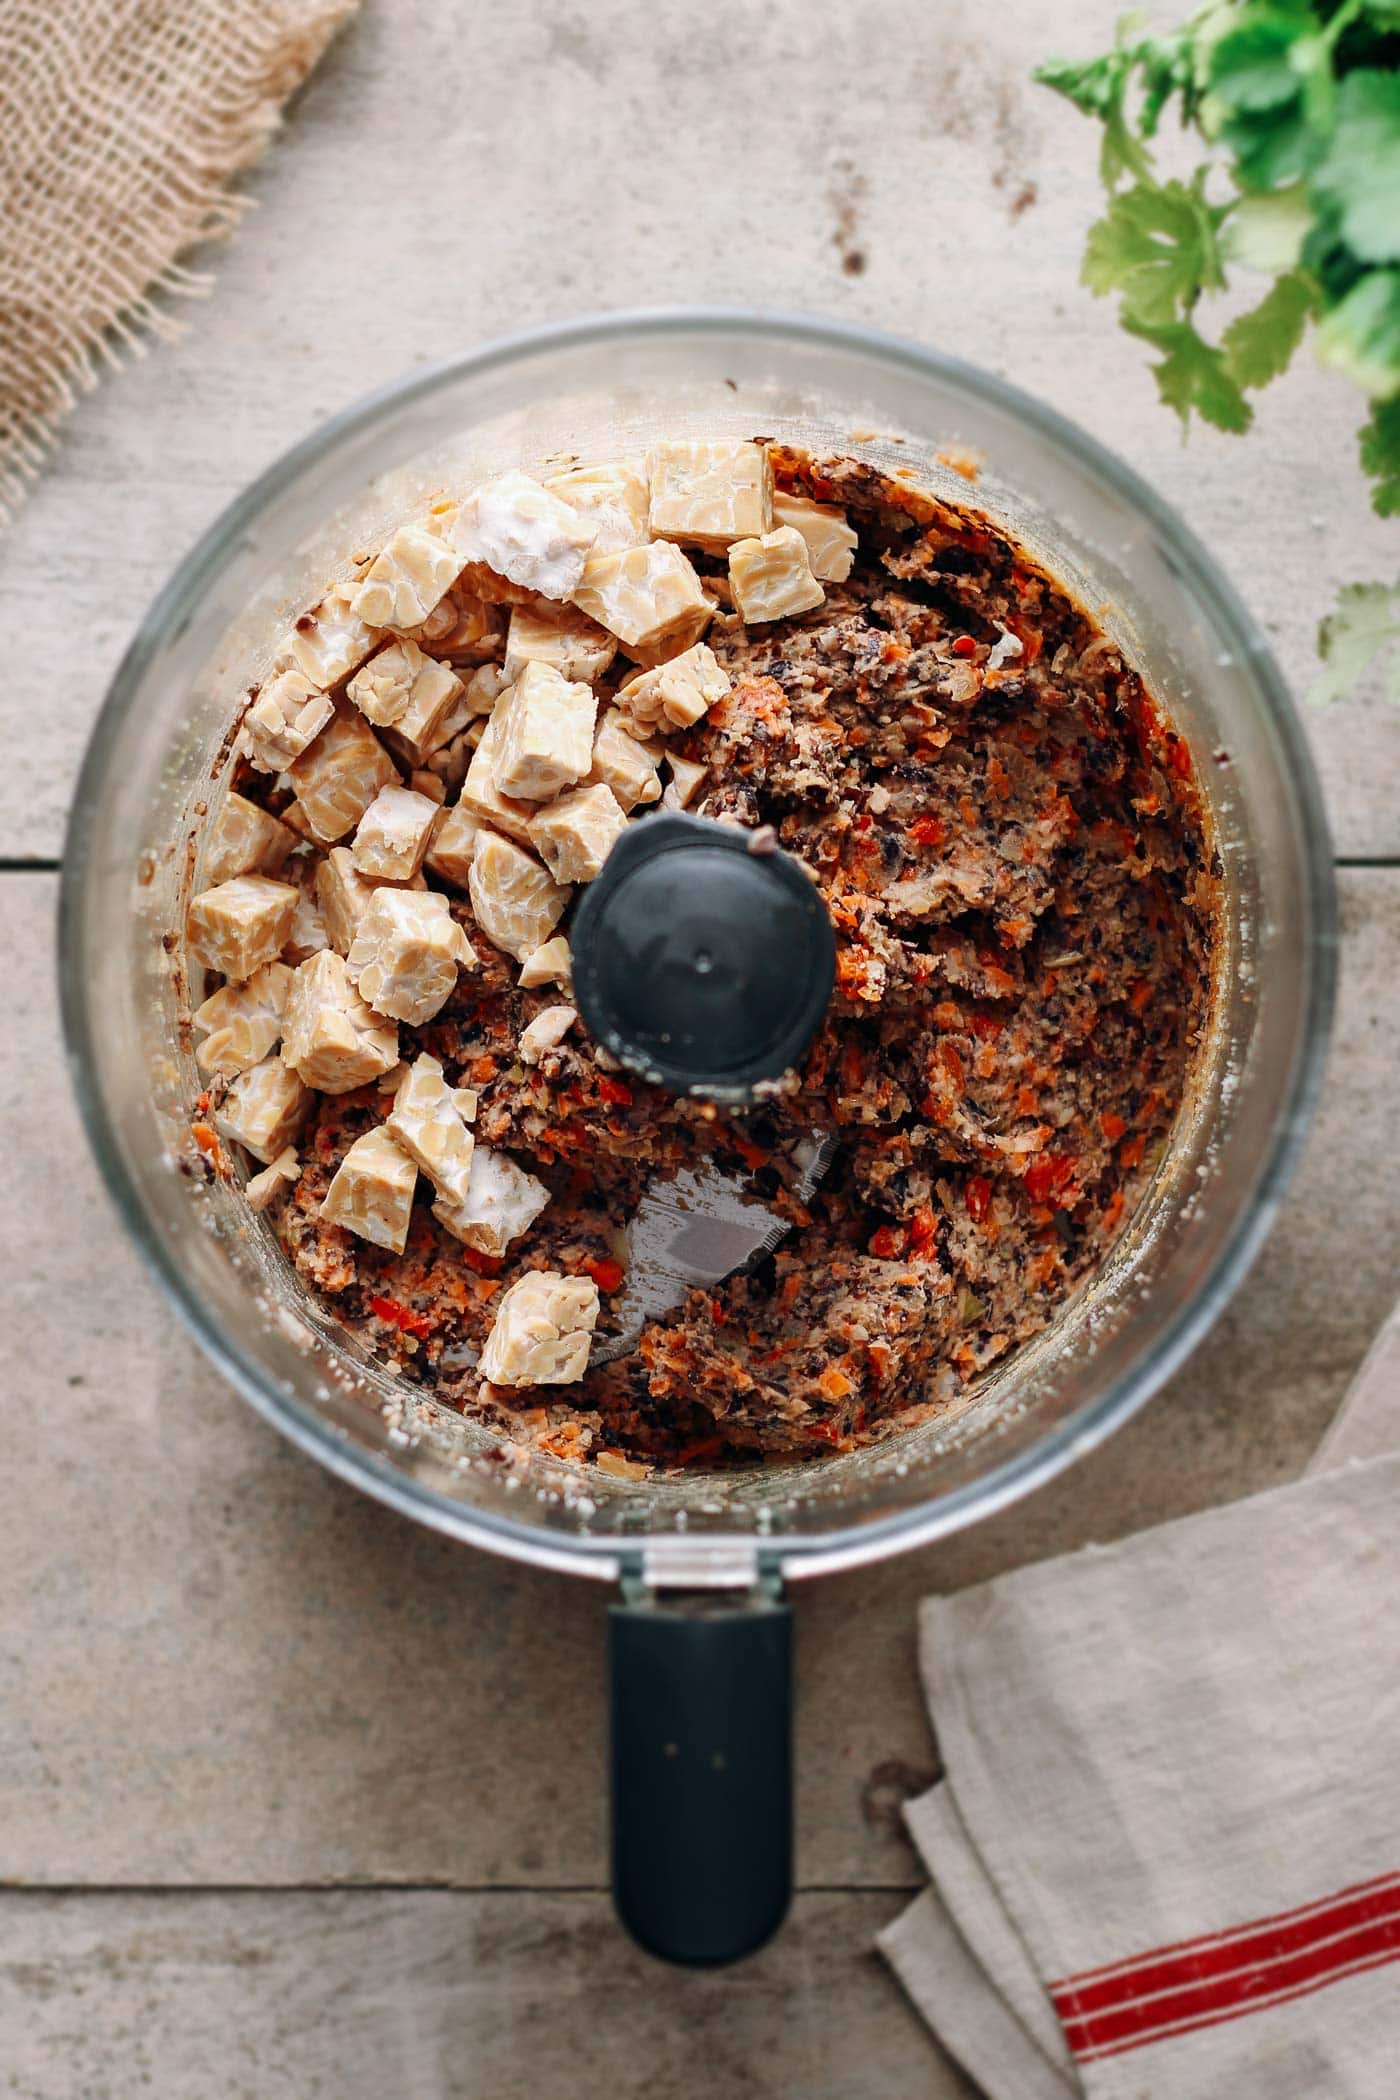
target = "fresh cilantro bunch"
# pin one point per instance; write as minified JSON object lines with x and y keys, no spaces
{"x":1299,"y":102}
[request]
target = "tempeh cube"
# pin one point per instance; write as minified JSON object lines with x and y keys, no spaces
{"x":338,"y":777}
{"x":524,"y":533}
{"x":418,"y":702}
{"x":264,"y":1109}
{"x":684,"y":783}
{"x":676,"y":694}
{"x":241,"y":924}
{"x":575,"y":834}
{"x":343,"y":894}
{"x":543,"y":1330}
{"x":545,"y":1033}
{"x":381,"y":689}
{"x":710,"y":494}
{"x":407,"y":578}
{"x":242,"y":1024}
{"x":393,"y":835}
{"x":453,"y":843}
{"x":771,"y":577}
{"x":501,"y":1202}
{"x":330,"y":1037}
{"x":371,"y":1193}
{"x":480,"y":794}
{"x":830,"y":542}
{"x":517,"y":904}
{"x":245,"y":840}
{"x":560,"y":635}
{"x":262,"y":1190}
{"x":543,"y":734}
{"x":612,"y":498}
{"x":427,"y":1121}
{"x":624,"y":763}
{"x":406,"y":952}
{"x":328,"y":641}
{"x":551,"y":963}
{"x":284,"y":716}
{"x":649,"y":597}
{"x":437,"y":711}
{"x":412,"y":697}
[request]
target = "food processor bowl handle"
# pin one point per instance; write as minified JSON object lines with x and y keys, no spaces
{"x":702,"y":1772}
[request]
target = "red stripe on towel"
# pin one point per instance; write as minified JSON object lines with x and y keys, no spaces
{"x":1222,"y":1976}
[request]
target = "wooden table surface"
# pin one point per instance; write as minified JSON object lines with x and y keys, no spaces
{"x":294,"y":1797}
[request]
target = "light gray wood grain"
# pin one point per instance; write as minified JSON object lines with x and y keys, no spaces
{"x":440,"y":184}
{"x":219,"y":1666}
{"x":222,"y":1666}
{"x":1368,"y":1422}
{"x":436,"y":1996}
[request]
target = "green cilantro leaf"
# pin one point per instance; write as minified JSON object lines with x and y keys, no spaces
{"x":1327,"y":258}
{"x":1266,"y":228}
{"x":1256,"y":96}
{"x":1365,"y":624}
{"x":1167,"y":67}
{"x":1259,"y":344}
{"x":1251,"y":70}
{"x":1359,"y":177}
{"x":1099,"y":87}
{"x":1157,"y":246}
{"x":1193,"y":374}
{"x":1380,"y":456}
{"x":1299,"y":104}
{"x":1361,"y":335}
{"x":1312,"y":56}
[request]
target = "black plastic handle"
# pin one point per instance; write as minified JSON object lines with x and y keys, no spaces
{"x":701,"y":1774}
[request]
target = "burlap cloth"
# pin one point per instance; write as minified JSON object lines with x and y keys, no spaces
{"x":121,"y":124}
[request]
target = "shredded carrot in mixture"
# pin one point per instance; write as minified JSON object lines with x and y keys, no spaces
{"x":1009,"y":841}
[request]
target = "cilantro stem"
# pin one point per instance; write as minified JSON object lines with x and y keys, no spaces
{"x":1344,"y":17}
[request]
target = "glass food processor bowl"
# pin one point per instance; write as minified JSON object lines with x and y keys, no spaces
{"x":702,"y":1852}
{"x":158,"y":762}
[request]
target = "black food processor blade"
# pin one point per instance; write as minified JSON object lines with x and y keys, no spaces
{"x":703,"y":960}
{"x":703,"y":957}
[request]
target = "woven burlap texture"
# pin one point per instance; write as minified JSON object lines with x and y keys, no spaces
{"x":122,"y":123}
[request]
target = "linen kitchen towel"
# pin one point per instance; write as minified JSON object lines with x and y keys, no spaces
{"x":1166,"y":1854}
{"x":121,"y":124}
{"x":1367,"y":1424}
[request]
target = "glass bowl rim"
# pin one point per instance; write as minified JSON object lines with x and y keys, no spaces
{"x":797,"y":1553}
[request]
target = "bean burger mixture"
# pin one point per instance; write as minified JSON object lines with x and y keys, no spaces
{"x":1002,"y":824}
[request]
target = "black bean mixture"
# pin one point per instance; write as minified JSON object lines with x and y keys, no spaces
{"x":1006,"y":834}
